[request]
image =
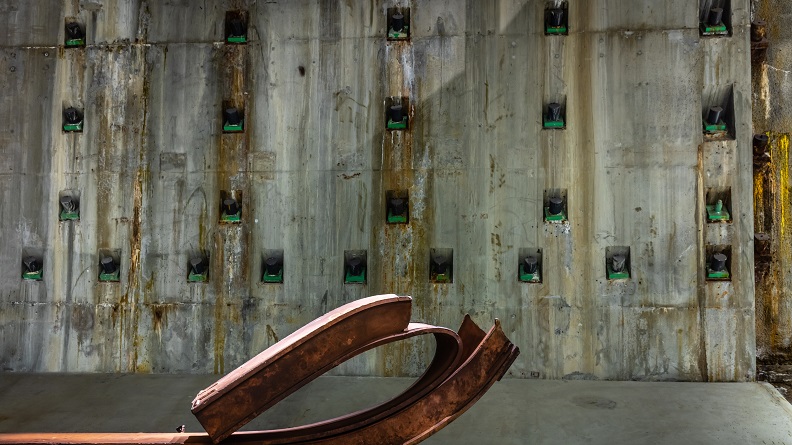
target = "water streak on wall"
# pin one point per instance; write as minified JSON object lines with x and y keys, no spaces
{"x":315,"y":162}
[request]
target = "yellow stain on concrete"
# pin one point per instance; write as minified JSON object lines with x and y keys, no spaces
{"x":780,"y":156}
{"x":758,"y":190}
{"x":772,"y":206}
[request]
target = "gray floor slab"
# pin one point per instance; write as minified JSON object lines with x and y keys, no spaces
{"x":513,"y":412}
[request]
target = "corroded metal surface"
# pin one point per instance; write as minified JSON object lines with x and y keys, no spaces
{"x":309,"y":352}
{"x":465,"y":366}
{"x":448,"y":355}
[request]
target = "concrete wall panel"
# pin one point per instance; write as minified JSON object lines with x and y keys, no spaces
{"x":26,"y":23}
{"x":315,"y":162}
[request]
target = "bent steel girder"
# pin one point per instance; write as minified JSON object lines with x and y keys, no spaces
{"x":299,"y":358}
{"x":486,"y":360}
{"x":448,"y":355}
{"x":466,"y":364}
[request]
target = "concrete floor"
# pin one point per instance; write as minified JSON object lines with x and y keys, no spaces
{"x":512,"y":412}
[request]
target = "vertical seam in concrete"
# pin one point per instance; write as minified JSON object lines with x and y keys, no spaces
{"x":700,"y":260}
{"x":68,"y":303}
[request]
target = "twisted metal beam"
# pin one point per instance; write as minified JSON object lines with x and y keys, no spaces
{"x":299,"y":358}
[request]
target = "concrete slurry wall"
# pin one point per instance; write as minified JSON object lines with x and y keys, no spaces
{"x":315,"y":163}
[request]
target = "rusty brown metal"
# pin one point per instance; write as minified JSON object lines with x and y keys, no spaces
{"x":761,"y":150}
{"x":759,"y":42}
{"x":269,"y":377}
{"x":491,"y":355}
{"x":465,"y":366}
{"x":762,"y":247}
{"x":448,"y":355}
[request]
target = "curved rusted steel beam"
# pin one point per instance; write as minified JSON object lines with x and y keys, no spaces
{"x":448,"y":355}
{"x":488,"y":358}
{"x":286,"y":366}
